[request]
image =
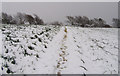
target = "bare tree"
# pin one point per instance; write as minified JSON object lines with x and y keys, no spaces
{"x":78,"y":20}
{"x":10,"y":18}
{"x":101,"y":22}
{"x":38,"y":21}
{"x":70,"y":20}
{"x":116,"y":22}
{"x":6,"y":19}
{"x":29,"y":18}
{"x":85,"y":20}
{"x":19,"y":18}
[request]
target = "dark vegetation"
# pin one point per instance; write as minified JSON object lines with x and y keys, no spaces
{"x":116,"y":22}
{"x":21,"y":18}
{"x":56,"y":23}
{"x":82,"y":21}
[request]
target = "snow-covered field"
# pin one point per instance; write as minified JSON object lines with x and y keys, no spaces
{"x":59,"y":50}
{"x":0,"y":51}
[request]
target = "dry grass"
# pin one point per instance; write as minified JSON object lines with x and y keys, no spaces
{"x":65,"y":30}
{"x":65,"y":36}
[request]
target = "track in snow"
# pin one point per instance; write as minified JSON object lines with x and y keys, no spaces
{"x":76,"y":50}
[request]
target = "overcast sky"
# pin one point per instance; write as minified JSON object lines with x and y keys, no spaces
{"x":57,"y":11}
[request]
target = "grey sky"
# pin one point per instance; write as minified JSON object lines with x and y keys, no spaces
{"x":56,"y":11}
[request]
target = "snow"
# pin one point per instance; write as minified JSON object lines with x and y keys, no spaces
{"x":0,"y":50}
{"x":86,"y":57}
{"x":59,"y":50}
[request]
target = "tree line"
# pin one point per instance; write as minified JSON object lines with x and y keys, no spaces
{"x":82,"y":21}
{"x":116,"y":22}
{"x":21,"y":18}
